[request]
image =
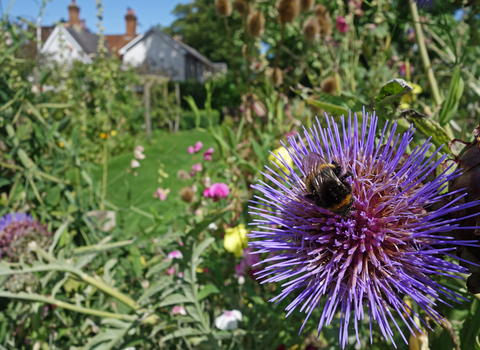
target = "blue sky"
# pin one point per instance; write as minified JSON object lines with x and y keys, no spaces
{"x":149,"y":12}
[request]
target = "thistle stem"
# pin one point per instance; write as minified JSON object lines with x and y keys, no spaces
{"x":424,"y":54}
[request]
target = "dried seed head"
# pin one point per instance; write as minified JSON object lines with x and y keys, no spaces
{"x":277,"y":77}
{"x":287,"y":10}
{"x":320,"y":10}
{"x":241,"y":5}
{"x":187,"y":194}
{"x":306,"y":5}
{"x":329,"y":86}
{"x":256,"y":23}
{"x":311,"y":29}
{"x":325,"y":25}
{"x":183,"y":175}
{"x":224,"y":7}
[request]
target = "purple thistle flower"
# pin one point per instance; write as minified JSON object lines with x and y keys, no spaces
{"x":17,"y":230}
{"x":388,"y":247}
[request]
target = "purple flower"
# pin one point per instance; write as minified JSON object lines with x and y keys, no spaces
{"x":17,"y":230}
{"x":175,"y":254}
{"x":425,"y":3}
{"x":191,"y":150}
{"x":248,"y":261}
{"x":197,"y":167}
{"x":217,"y":191}
{"x":388,"y":246}
{"x":198,"y":146}
{"x":342,"y":24}
{"x":208,"y":154}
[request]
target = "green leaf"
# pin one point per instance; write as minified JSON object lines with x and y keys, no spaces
{"x":390,"y":95}
{"x":183,"y":332}
{"x":175,"y":299}
{"x":207,"y":290}
{"x":201,"y":248}
{"x":455,"y":92}
{"x":158,"y":268}
{"x":259,"y":151}
{"x":135,"y":258}
{"x":429,"y":127}
{"x":160,"y":285}
{"x":471,"y":327}
{"x":56,"y":236}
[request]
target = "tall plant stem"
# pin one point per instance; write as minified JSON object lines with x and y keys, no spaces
{"x":424,"y":54}
{"x":277,"y":54}
{"x":105,"y":169}
{"x":232,"y":56}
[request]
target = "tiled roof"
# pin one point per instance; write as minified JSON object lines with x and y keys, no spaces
{"x":88,"y":41}
{"x":116,"y":42}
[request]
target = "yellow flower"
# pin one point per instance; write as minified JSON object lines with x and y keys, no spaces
{"x":235,"y":240}
{"x":61,"y":144}
{"x":281,"y":153}
{"x":412,"y":96}
{"x":113,"y":133}
{"x":103,"y":135}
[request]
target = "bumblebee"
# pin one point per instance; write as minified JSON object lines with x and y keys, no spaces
{"x":327,"y":187}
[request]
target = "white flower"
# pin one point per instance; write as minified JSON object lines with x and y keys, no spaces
{"x":138,"y":153}
{"x":134,"y":164}
{"x":213,"y":226}
{"x":241,"y":280}
{"x":228,"y":320}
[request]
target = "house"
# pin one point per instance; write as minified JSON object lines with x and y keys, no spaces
{"x":116,"y":42}
{"x":155,"y":52}
{"x":71,"y":41}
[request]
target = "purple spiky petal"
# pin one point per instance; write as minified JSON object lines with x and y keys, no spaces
{"x":389,"y":247}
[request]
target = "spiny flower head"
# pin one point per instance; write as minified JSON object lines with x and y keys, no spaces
{"x":17,"y":231}
{"x":390,"y":245}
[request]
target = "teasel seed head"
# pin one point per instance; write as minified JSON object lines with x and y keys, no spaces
{"x":306,"y":5}
{"x":256,"y":23}
{"x":277,"y":77}
{"x":187,"y":194}
{"x":241,"y":5}
{"x":224,"y":7}
{"x":311,"y":29}
{"x":287,"y":10}
{"x":329,"y":86}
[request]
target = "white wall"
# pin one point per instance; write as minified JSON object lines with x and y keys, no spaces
{"x":60,"y":48}
{"x":159,"y":54}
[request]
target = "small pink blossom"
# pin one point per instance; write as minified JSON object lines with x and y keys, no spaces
{"x":134,"y":164}
{"x":171,"y":271}
{"x":208,"y":154}
{"x":191,"y":150}
{"x":175,"y":254}
{"x":161,"y":193}
{"x":372,"y":26}
{"x":198,"y":212}
{"x":342,"y":24}
{"x":217,"y":191}
{"x":197,"y":167}
{"x":291,"y":133}
{"x":179,"y":310}
{"x":180,"y":243}
{"x":198,"y":146}
{"x":138,"y":153}
{"x":180,"y":274}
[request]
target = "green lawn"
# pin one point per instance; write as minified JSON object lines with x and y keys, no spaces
{"x":168,"y":149}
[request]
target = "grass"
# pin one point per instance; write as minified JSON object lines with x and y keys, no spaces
{"x":170,"y":150}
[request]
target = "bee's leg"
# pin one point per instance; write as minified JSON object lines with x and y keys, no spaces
{"x":344,"y":176}
{"x":338,"y":168}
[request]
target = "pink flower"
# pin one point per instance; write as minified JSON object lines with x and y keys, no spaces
{"x":138,"y":152}
{"x":175,"y":254}
{"x":134,"y":164}
{"x":171,"y":271}
{"x":342,"y":24}
{"x":217,"y":191}
{"x":291,"y":133}
{"x":198,"y":146}
{"x":248,"y":261}
{"x":161,"y":193}
{"x":179,"y":310}
{"x":208,"y":154}
{"x":403,"y":69}
{"x":372,"y":26}
{"x":191,"y":150}
{"x":180,"y":274}
{"x":197,"y":167}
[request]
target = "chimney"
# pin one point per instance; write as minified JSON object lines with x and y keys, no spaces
{"x":74,"y":13}
{"x":131,"y":21}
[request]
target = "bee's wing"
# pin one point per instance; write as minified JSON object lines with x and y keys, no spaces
{"x":311,"y":162}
